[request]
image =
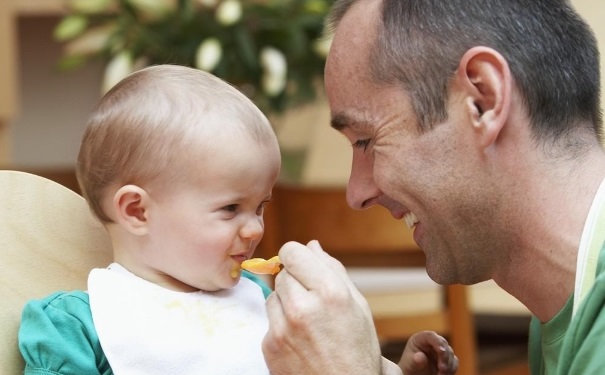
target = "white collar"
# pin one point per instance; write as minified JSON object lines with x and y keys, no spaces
{"x":590,"y":246}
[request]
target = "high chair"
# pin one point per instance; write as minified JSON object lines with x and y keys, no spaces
{"x":49,"y":241}
{"x":370,"y":244}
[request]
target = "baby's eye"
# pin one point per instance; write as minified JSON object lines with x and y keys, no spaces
{"x":230,"y":208}
{"x":362,"y":143}
{"x":261,"y":209}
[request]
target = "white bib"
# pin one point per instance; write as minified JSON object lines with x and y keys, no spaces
{"x":145,"y":329}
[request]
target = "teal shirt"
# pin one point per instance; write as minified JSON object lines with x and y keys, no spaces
{"x":57,"y":335}
{"x":567,"y":345}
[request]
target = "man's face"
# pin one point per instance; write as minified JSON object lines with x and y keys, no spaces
{"x":426,"y":178}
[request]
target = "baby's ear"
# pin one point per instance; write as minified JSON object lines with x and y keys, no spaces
{"x":130,"y":207}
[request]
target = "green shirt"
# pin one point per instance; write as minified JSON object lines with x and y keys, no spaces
{"x":549,"y":339}
{"x":57,"y":335}
{"x":575,"y":345}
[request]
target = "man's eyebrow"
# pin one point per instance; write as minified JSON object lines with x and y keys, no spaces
{"x":341,"y":121}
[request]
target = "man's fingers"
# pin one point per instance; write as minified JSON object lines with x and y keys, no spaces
{"x":277,"y":325}
{"x":307,"y":265}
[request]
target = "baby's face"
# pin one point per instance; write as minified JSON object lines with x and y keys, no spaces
{"x":202,"y":228}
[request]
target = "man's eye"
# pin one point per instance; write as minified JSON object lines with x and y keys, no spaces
{"x":362,"y":143}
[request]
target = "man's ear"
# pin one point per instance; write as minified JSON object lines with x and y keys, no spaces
{"x":130,"y":204}
{"x":484,"y":76}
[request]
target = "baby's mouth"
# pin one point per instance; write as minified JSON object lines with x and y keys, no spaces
{"x":410,"y":220}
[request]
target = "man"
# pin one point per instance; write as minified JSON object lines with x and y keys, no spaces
{"x":477,"y":122}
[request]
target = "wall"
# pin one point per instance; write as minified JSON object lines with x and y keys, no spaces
{"x":54,"y":104}
{"x":54,"y":107}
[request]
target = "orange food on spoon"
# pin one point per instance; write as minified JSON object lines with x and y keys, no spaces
{"x":262,"y":266}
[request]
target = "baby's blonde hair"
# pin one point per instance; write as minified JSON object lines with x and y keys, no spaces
{"x":145,"y":122}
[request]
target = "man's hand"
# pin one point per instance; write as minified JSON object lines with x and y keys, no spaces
{"x":319,"y":323}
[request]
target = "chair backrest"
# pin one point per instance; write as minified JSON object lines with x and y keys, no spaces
{"x":49,"y":241}
{"x":370,"y":238}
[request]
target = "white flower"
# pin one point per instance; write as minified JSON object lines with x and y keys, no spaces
{"x":322,"y":46}
{"x":275,"y":66}
{"x":208,"y":54}
{"x":273,"y":61}
{"x":118,"y":68}
{"x":273,"y":85}
{"x":229,"y":12}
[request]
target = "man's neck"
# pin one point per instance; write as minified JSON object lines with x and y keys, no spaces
{"x":542,"y":271}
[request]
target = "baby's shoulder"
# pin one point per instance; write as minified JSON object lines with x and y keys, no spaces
{"x":75,"y":302}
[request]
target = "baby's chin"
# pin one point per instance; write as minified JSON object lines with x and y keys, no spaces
{"x":218,"y":282}
{"x":222,"y":281}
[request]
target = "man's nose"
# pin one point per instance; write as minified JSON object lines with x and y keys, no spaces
{"x":361,"y":189}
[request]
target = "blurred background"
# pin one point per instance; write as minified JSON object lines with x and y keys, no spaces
{"x":45,"y":97}
{"x":58,"y":57}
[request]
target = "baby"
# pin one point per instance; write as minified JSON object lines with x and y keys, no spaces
{"x":178,"y":165}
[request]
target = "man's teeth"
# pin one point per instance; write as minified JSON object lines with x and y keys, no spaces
{"x":410,"y":220}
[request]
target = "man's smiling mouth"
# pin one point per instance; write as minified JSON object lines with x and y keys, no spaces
{"x":410,"y":220}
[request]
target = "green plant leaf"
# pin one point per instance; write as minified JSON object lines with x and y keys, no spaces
{"x":70,"y":27}
{"x":70,"y":62}
{"x":170,"y":31}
